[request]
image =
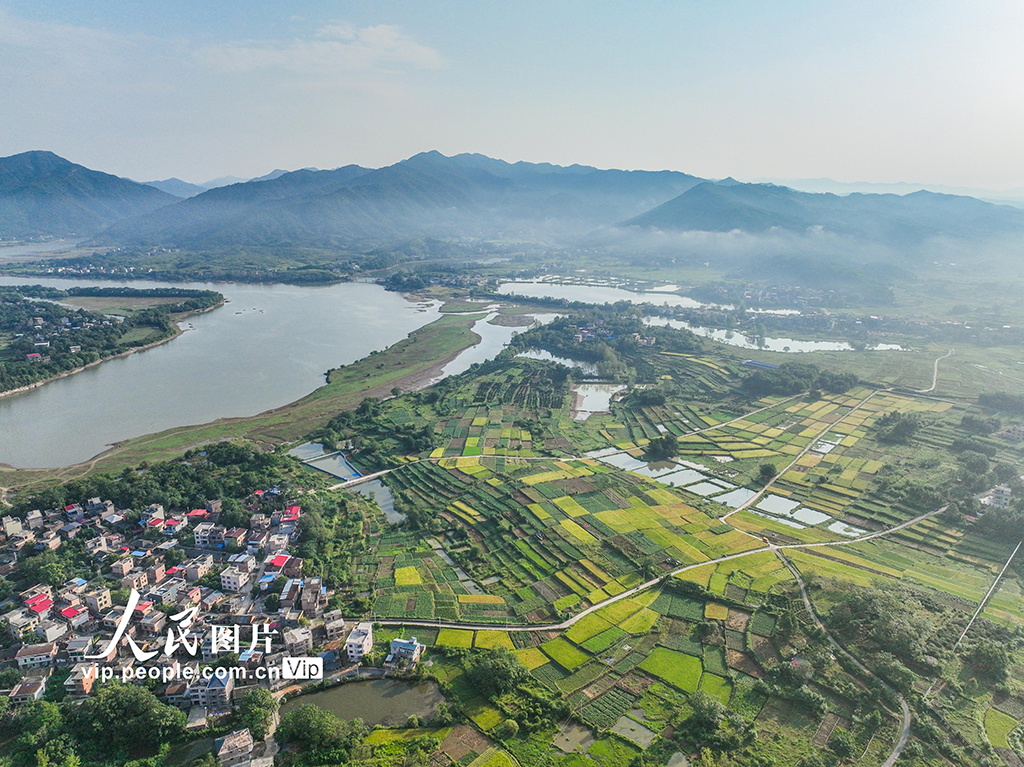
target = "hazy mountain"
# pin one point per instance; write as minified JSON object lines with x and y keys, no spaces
{"x":428,"y":195}
{"x":888,"y":218}
{"x":275,"y":174}
{"x":43,"y":194}
{"x":1000,"y":196}
{"x":222,"y":181}
{"x":177,"y":187}
{"x":219,"y":216}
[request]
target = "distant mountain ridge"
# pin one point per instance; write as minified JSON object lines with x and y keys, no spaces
{"x":889,"y":218}
{"x":177,"y":187}
{"x":430,"y":196}
{"x":427,"y":195}
{"x":42,"y":194}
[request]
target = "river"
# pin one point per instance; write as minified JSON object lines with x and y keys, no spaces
{"x":598,"y":294}
{"x":269,"y":346}
{"x":768,"y":344}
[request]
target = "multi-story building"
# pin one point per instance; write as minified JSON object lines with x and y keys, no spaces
{"x":234,"y":749}
{"x":216,"y":693}
{"x":28,"y":691}
{"x":359,"y":642}
{"x":98,"y":601}
{"x":198,"y":567}
{"x":334,"y":625}
{"x":36,"y":655}
{"x":83,"y":675}
{"x":209,"y":535}
{"x":298,"y":641}
{"x":233,"y":579}
{"x":404,"y":652}
{"x":312,"y":596}
{"x":51,"y":631}
{"x":136,"y":579}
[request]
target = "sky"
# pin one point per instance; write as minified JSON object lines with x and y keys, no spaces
{"x":924,"y":92}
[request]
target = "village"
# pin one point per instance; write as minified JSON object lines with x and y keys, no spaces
{"x":234,"y":602}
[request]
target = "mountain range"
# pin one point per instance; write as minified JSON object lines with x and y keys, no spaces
{"x":884,"y":218}
{"x":42,"y":194}
{"x":467,"y":196}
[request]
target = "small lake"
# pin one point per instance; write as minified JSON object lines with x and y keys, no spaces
{"x":388,"y":702}
{"x":732,"y":338}
{"x":587,"y":368}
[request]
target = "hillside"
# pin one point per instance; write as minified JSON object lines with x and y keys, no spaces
{"x":428,"y":195}
{"x":42,"y":194}
{"x":889,"y":218}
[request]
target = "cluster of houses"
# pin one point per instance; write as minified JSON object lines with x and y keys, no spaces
{"x":67,"y":627}
{"x":40,"y":333}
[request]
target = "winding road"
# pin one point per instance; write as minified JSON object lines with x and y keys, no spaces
{"x":935,"y":374}
{"x":901,"y":742}
{"x":568,"y":623}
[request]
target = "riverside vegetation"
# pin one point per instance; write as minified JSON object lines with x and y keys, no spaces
{"x":520,"y":518}
{"x":41,"y":336}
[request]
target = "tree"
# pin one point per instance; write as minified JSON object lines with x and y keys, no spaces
{"x":125,"y":717}
{"x":509,"y":729}
{"x":841,"y":744}
{"x":662,"y":448}
{"x":256,"y":711}
{"x":328,"y":740}
{"x":990,"y":659}
{"x":766,"y":472}
{"x":497,"y":672}
{"x":707,"y":716}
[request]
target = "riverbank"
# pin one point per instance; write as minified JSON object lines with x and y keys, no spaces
{"x":413,"y":363}
{"x":177,"y":331}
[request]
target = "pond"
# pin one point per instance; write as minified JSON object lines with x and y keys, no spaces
{"x":732,"y":338}
{"x":593,"y":398}
{"x":379,"y":492}
{"x":337,"y":465}
{"x":388,"y":702}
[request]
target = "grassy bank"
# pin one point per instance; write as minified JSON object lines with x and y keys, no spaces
{"x":410,"y":364}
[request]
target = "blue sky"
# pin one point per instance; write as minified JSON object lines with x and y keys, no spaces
{"x":857,"y":91}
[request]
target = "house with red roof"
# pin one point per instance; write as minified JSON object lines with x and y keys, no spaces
{"x":277,"y":563}
{"x":40,"y":604}
{"x":75,"y":616}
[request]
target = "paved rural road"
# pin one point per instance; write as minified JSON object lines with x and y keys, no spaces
{"x":901,"y":742}
{"x":644,"y":586}
{"x":935,"y":374}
